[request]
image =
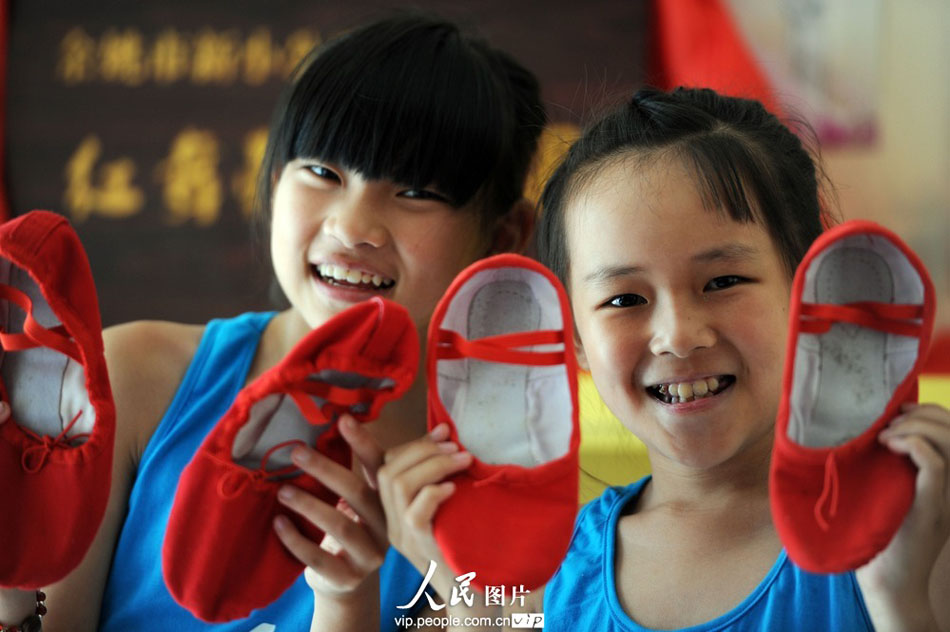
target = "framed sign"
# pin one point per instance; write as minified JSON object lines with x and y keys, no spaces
{"x":144,"y":123}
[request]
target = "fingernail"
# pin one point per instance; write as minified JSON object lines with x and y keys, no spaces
{"x":280,"y":523}
{"x":440,"y":432}
{"x":896,"y":421}
{"x":448,"y":447}
{"x":3,"y":408}
{"x":285,"y":493}
{"x":462,"y":457}
{"x":348,"y":422}
{"x":300,"y":456}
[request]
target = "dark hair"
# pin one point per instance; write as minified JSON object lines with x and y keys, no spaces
{"x":411,"y":99}
{"x":746,"y":163}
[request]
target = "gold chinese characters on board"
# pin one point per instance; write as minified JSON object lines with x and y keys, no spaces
{"x":192,"y":188}
{"x":189,"y":177}
{"x":206,"y":56}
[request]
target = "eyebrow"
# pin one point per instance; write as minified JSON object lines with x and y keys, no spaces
{"x":729,"y":253}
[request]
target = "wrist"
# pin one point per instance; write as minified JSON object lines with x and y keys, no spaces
{"x":359,"y":604}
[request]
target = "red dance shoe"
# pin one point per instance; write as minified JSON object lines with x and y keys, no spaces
{"x":221,"y":557}
{"x":862,"y":311}
{"x":56,"y":449}
{"x":502,"y":374}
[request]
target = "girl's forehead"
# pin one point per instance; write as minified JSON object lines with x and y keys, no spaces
{"x":650,"y":215}
{"x":630,"y":189}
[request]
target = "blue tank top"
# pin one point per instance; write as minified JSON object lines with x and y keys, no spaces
{"x":582,"y":595}
{"x":135,"y":597}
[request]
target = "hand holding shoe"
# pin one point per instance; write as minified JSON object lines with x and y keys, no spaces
{"x":895,"y":582}
{"x":412,"y":486}
{"x":355,"y":543}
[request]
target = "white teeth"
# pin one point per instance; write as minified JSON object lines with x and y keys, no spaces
{"x":680,"y":392}
{"x":353,"y":277}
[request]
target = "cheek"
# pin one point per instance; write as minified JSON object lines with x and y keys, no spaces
{"x":288,"y":224}
{"x":611,"y":352}
{"x":764,"y":340}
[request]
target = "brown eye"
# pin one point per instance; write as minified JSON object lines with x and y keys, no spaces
{"x":627,"y":300}
{"x":322,"y":172}
{"x":425,"y":194}
{"x":724,"y":282}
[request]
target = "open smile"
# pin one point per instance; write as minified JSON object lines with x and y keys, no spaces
{"x":351,"y":278}
{"x":683,"y":392}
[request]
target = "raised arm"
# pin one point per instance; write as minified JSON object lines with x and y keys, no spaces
{"x":146,"y":361}
{"x":906,"y":585}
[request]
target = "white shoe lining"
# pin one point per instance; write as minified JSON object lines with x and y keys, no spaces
{"x":507,"y":413}
{"x":276,"y":418}
{"x":46,"y":388}
{"x":845,"y":377}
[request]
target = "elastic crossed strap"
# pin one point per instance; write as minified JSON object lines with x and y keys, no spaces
{"x":34,"y":334}
{"x":337,"y":399}
{"x":817,"y":318}
{"x":502,"y":348}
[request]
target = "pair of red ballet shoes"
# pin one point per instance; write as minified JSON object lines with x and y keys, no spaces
{"x":500,"y":374}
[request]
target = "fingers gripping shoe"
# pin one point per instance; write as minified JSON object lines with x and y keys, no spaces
{"x":56,"y":449}
{"x":221,"y":558}
{"x":502,"y":374}
{"x":862,"y":311}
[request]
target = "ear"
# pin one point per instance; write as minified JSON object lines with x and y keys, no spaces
{"x":579,"y":353}
{"x":513,"y":229}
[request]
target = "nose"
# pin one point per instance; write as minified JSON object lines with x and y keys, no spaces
{"x":681,"y":326}
{"x":357,"y":219}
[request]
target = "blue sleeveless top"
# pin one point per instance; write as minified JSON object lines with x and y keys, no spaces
{"x":582,"y":595}
{"x":135,"y":597}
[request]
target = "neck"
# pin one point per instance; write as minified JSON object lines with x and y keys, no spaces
{"x":740,"y":481}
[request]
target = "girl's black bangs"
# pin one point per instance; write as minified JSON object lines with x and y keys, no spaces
{"x":727,"y":178}
{"x":395,"y":114}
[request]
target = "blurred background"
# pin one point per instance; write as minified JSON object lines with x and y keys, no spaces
{"x":143,"y":122}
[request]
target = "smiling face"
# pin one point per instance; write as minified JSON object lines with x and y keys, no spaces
{"x":337,"y":239}
{"x":681,"y":312}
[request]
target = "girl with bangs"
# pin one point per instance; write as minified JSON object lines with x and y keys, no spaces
{"x":676,"y":224}
{"x":396,"y":157}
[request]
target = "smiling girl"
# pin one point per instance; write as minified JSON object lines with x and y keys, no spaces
{"x":397,"y":156}
{"x":676,"y":223}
